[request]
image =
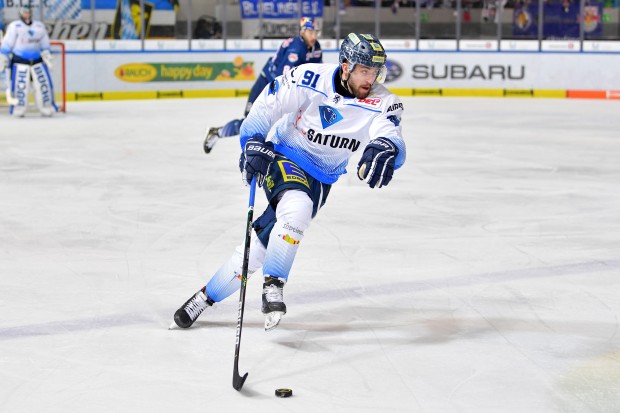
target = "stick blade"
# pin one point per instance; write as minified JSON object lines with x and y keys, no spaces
{"x":238,"y":381}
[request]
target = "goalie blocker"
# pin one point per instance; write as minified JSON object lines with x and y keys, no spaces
{"x":25,"y":77}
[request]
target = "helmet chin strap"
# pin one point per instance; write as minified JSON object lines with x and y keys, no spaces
{"x":345,"y":82}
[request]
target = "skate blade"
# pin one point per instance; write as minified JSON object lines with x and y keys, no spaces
{"x":272,"y":319}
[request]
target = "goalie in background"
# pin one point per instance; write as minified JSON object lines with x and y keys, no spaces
{"x":293,"y":52}
{"x":25,"y":52}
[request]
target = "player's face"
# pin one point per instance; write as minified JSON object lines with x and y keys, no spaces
{"x":360,"y":79}
{"x":26,"y":17}
{"x":309,"y":37}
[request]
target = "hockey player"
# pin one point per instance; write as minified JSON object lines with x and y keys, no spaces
{"x":293,"y":52}
{"x":297,"y":141}
{"x":28,"y":43}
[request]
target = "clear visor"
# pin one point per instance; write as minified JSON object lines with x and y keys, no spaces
{"x":374,"y":73}
{"x":382,"y":74}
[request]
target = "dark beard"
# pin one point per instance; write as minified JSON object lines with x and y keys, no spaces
{"x":341,"y":88}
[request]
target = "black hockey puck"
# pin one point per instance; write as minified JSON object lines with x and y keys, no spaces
{"x":284,"y":392}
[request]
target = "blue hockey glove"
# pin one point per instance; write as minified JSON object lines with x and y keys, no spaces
{"x":377,"y":164}
{"x":255,"y":159}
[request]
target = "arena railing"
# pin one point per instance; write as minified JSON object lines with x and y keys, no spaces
{"x":425,"y":24}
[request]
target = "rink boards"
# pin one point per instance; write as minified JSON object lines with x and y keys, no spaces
{"x":109,"y":70}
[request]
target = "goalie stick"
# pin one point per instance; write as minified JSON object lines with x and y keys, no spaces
{"x":237,"y":379}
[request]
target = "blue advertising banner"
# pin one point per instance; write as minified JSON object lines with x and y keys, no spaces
{"x":281,"y":9}
{"x":112,"y":4}
{"x":560,"y":20}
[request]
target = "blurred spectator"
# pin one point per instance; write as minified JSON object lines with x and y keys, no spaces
{"x":293,"y":52}
{"x":207,"y":27}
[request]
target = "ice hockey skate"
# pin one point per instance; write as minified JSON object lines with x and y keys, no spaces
{"x":273,"y":302}
{"x":211,"y":138}
{"x":189,"y":312}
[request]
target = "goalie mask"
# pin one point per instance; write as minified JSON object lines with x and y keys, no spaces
{"x":364,"y":49}
{"x":25,"y":14}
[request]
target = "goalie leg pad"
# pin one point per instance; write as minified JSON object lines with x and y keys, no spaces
{"x":227,"y":279}
{"x":20,"y":89}
{"x":43,"y":90}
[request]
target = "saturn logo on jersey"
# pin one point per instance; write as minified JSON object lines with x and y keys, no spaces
{"x":333,"y":141}
{"x":329,"y":116}
{"x":292,"y":173}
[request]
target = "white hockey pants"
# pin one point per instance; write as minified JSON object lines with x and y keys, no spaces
{"x":294,"y":214}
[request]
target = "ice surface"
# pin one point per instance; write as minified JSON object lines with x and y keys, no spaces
{"x":485,"y":278}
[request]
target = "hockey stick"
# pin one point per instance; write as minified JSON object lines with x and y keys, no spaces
{"x":237,"y":379}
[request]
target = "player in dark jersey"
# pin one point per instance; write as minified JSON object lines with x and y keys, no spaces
{"x":293,"y":52}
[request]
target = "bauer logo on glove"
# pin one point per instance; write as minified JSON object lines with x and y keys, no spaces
{"x":376,"y":166}
{"x":256,"y":159}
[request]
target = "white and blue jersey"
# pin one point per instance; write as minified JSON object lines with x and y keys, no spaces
{"x":25,"y":41}
{"x":292,"y":52}
{"x":316,"y":127}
